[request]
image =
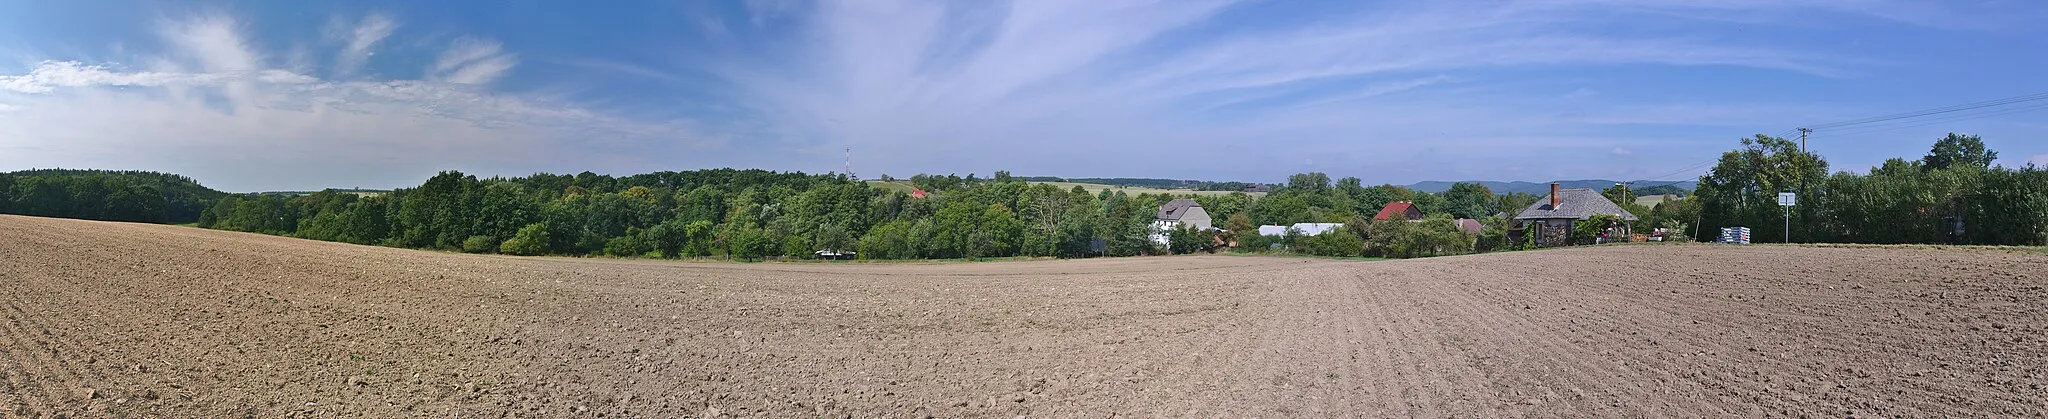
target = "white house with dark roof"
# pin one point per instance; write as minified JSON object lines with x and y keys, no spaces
{"x":1553,"y":218}
{"x":1177,"y":213}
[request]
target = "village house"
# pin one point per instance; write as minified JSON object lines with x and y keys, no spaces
{"x":1177,"y":213}
{"x":1399,"y":210}
{"x":1554,"y":217}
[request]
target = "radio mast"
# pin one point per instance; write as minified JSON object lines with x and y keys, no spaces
{"x":848,"y":168}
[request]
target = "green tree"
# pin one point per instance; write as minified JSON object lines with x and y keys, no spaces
{"x":1468,"y":200}
{"x":1188,"y":239}
{"x":531,"y":240}
{"x":480,"y":244}
{"x":1742,"y":188}
{"x":1959,"y":150}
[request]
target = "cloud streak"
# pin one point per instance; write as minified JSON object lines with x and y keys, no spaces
{"x":361,"y":42}
{"x":211,"y":108}
{"x":1018,"y":85}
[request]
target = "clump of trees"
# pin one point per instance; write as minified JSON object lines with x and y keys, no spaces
{"x":1953,"y":194}
{"x":105,"y":195}
{"x":741,"y":214}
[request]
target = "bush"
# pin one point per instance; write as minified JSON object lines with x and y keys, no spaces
{"x":1587,"y":231}
{"x":636,"y":242}
{"x":1435,"y":236}
{"x":1255,"y":242}
{"x":1336,"y":242}
{"x":479,"y":244}
{"x":1188,"y":239}
{"x":531,"y":240}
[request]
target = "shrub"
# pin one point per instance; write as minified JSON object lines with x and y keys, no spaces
{"x":1587,"y":231}
{"x":531,"y":240}
{"x":636,"y":242}
{"x":1336,"y":242}
{"x":1188,"y":239}
{"x":479,"y":244}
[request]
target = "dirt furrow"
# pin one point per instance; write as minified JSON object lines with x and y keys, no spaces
{"x":208,"y":323}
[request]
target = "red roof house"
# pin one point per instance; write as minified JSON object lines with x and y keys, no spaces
{"x":917,"y":193}
{"x":1399,"y":210}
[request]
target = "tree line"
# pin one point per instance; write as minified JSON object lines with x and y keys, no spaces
{"x":1953,"y":194}
{"x":106,"y":195}
{"x":754,"y":214}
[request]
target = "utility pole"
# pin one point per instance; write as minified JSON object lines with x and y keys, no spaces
{"x":1802,"y":138}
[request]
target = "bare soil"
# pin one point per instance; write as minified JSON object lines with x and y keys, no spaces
{"x":105,"y":319}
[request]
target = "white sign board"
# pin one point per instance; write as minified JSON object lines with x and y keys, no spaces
{"x":1786,"y":199}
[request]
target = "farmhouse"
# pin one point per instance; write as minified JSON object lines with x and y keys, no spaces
{"x":1399,"y":210}
{"x":1177,"y":213}
{"x":1554,"y":217}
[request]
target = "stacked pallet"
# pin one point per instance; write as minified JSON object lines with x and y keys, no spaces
{"x":1736,"y":235}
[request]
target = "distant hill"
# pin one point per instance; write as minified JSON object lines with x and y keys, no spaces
{"x":1543,"y":188}
{"x":105,"y":195}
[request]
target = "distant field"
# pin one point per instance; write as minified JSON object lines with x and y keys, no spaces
{"x":1097,"y":188}
{"x":1653,"y":200}
{"x":1091,"y":187}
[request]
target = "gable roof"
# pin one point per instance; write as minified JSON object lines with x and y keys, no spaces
{"x":1575,"y":203}
{"x":1471,"y":225}
{"x":1404,"y":209}
{"x":1173,"y":210}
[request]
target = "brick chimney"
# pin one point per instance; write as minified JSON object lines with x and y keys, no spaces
{"x":1553,"y":196}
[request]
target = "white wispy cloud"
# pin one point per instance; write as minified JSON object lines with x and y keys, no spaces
{"x":361,"y":40}
{"x":1016,"y":84}
{"x":472,"y":61}
{"x":212,"y":106}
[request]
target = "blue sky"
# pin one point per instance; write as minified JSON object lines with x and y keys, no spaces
{"x":262,"y":95}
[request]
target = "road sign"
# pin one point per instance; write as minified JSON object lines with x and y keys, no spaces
{"x":1788,"y":199}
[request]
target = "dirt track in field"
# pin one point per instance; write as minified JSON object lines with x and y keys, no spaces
{"x":103,"y":319}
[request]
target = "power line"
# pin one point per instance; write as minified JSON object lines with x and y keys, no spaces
{"x":1921,"y":123}
{"x":1934,"y":111}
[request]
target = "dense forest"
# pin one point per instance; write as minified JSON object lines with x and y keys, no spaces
{"x":105,"y":195}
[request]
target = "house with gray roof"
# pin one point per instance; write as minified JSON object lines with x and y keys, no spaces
{"x":1177,"y":213}
{"x":1554,"y":217}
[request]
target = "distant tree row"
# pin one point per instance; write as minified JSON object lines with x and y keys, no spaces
{"x":105,"y":195}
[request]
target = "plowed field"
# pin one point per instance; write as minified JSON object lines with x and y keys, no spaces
{"x":103,"y":319}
